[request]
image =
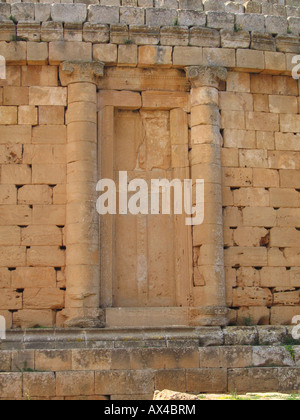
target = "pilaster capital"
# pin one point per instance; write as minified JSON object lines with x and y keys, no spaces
{"x":80,"y":71}
{"x":206,"y":76}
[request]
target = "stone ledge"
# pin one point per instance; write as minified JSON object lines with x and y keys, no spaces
{"x":146,"y":337}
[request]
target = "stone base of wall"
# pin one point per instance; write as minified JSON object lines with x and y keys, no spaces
{"x":113,"y":364}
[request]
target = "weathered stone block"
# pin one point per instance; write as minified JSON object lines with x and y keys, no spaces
{"x":103,"y":14}
{"x":69,"y":13}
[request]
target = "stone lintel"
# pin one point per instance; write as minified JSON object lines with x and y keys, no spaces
{"x":206,"y":76}
{"x":80,"y":72}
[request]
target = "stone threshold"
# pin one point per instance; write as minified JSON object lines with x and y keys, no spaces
{"x":171,"y":337}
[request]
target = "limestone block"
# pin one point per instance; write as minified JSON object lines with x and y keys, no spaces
{"x":39,"y":384}
{"x":94,"y":33}
{"x":276,"y":24}
{"x":16,"y":174}
{"x":263,"y":41}
{"x":5,"y":10}
{"x":190,"y":5}
{"x":234,"y":7}
{"x":204,"y":37}
{"x":34,"y":235}
{"x":271,"y":356}
{"x":285,"y":86}
{"x":55,"y":96}
{"x":8,"y":194}
{"x":46,"y":256}
{"x":12,"y":256}
{"x":119,"y":34}
{"x":36,"y":277}
{"x":37,"y":53}
{"x":284,"y":197}
{"x":237,"y":177}
{"x":39,"y":76}
{"x":69,"y":13}
{"x":262,"y":121}
{"x":162,"y":17}
{"x":48,"y":174}
{"x":261,"y":104}
{"x":253,"y":7}
{"x":137,"y":382}
{"x":213,"y":6}
{"x":258,"y":216}
{"x":257,"y":197}
{"x":51,"y":115}
{"x":11,"y":385}
{"x":8,"y":115}
{"x":208,"y":380}
{"x":290,"y":123}
{"x":15,"y":134}
{"x":287,"y":141}
{"x":149,"y":56}
{"x":132,"y":16}
{"x":14,"y":52}
{"x":23,"y":11}
{"x":251,"y":22}
{"x":128,"y":55}
{"x":45,"y":359}
{"x":15,"y":215}
{"x":29,"y":31}
{"x":44,"y":298}
{"x":233,"y":120}
{"x":219,"y":20}
{"x":262,"y":84}
{"x":283,"y":315}
{"x":7,"y":28}
{"x":252,"y":296}
{"x":15,"y":95}
{"x":250,"y":59}
{"x":29,"y":318}
{"x":288,"y":43}
{"x":177,"y":35}
{"x":236,"y":101}
{"x":103,"y":14}
{"x":42,"y":12}
{"x":267,"y":178}
{"x":187,"y":56}
{"x":191,"y":18}
{"x":284,"y":237}
{"x":287,"y":298}
{"x":253,"y":158}
{"x":68,"y":51}
{"x":219,"y":57}
{"x":238,"y":82}
{"x":10,"y":235}
{"x":73,"y":32}
{"x":106,"y":53}
{"x":232,"y":39}
{"x":259,"y":314}
{"x":52,"y":31}
{"x":293,"y":23}
{"x":144,"y":35}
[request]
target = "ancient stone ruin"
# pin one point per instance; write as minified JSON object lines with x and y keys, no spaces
{"x":120,"y":305}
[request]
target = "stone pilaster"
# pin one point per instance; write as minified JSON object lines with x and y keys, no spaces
{"x":82,"y":226}
{"x":205,"y":160}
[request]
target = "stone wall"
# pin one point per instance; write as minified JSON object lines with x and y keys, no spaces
{"x":44,"y":170}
